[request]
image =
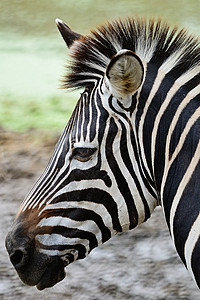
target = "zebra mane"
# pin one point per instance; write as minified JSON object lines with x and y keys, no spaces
{"x":152,"y":40}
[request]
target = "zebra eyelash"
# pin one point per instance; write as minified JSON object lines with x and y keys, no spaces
{"x":83,"y":154}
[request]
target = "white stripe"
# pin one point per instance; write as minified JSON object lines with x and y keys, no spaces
{"x":82,"y":113}
{"x":184,"y":134}
{"x":98,"y":208}
{"x":88,"y":225}
{"x":96,"y":67}
{"x":154,"y":89}
{"x":136,"y":198}
{"x":58,"y":239}
{"x":159,"y":115}
{"x":190,"y":244}
{"x":145,"y":49}
{"x":113,"y":190}
{"x":59,"y":253}
{"x":151,"y":201}
{"x":90,"y":116}
{"x":172,"y":60}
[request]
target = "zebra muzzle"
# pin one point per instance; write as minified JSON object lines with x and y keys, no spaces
{"x":33,"y":267}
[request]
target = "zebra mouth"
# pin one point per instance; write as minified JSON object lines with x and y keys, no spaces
{"x":52,"y":275}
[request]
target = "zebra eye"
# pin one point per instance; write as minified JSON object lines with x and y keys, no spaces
{"x":83,"y":154}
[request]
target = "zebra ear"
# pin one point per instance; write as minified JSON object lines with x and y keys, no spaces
{"x":125,"y":73}
{"x":68,"y":35}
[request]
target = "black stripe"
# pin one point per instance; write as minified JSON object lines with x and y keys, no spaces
{"x":121,"y":181}
{"x":93,"y":127}
{"x":70,"y":233}
{"x":196,"y":262}
{"x":79,"y":247}
{"x":128,"y":163}
{"x":104,"y":115}
{"x":81,"y":214}
{"x":86,"y":105}
{"x":185,"y":115}
{"x":96,"y":196}
{"x":79,"y":118}
{"x":151,"y":74}
{"x":89,"y":174}
{"x":145,"y":178}
{"x":179,"y":167}
{"x":187,"y":211}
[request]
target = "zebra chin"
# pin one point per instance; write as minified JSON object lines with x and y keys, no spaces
{"x":51,"y":272}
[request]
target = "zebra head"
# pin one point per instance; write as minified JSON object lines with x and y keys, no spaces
{"x":109,"y":168}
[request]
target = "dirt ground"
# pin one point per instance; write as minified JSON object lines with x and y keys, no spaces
{"x":141,"y":264}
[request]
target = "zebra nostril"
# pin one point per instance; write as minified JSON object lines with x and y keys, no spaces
{"x":18,"y":258}
{"x":18,"y":246}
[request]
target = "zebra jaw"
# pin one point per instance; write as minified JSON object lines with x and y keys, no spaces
{"x":52,"y":275}
{"x":55,"y":272}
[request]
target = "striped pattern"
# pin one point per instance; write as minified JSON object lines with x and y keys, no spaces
{"x":114,"y":163}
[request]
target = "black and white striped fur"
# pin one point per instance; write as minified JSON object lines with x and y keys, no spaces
{"x":132,"y":143}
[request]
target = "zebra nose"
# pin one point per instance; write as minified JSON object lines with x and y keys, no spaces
{"x":18,"y":250}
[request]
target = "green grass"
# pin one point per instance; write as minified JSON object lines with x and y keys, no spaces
{"x":20,"y":114}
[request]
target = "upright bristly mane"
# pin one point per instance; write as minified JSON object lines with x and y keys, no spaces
{"x":152,"y":40}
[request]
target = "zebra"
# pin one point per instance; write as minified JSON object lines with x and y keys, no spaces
{"x":131,"y":144}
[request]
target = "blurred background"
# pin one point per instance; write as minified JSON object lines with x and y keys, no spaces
{"x":141,"y":264}
{"x":33,"y":55}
